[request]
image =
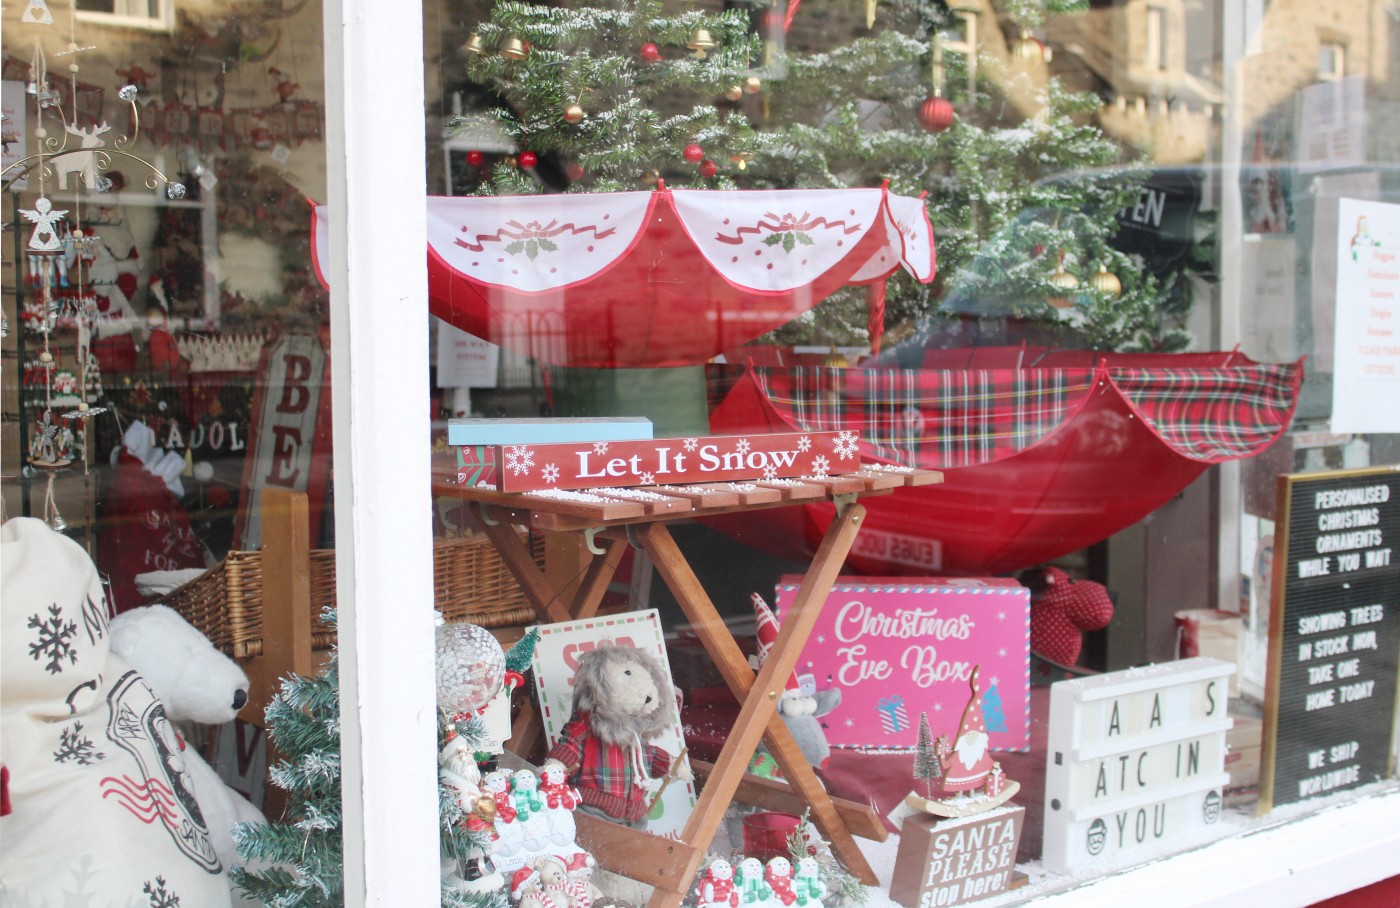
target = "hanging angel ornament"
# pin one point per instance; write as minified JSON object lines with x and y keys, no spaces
{"x":45,"y":239}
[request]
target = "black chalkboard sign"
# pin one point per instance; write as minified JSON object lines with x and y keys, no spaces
{"x":1334,"y":635}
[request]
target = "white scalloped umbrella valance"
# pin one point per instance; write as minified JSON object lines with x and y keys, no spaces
{"x":656,"y":278}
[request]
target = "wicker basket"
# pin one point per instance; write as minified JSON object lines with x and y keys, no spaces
{"x":470,"y":583}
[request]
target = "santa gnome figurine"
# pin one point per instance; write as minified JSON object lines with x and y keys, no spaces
{"x":964,"y":778}
{"x":801,"y":707}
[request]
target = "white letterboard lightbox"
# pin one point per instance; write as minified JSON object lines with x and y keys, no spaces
{"x":1134,"y":759}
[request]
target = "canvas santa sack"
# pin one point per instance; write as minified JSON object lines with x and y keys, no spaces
{"x":102,"y":814}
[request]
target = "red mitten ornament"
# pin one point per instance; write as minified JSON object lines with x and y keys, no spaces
{"x":1062,"y":611}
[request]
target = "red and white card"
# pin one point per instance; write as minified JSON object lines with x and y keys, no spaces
{"x":661,"y":461}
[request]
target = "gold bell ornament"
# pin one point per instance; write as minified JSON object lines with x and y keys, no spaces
{"x":474,"y":46}
{"x":513,"y":49}
{"x":1106,"y":281}
{"x":701,"y":43}
{"x":1065,"y":281}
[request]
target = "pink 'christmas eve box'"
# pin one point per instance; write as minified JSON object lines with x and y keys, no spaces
{"x":898,"y":646}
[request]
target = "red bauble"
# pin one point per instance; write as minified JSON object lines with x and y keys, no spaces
{"x":708,"y":169}
{"x":476,"y":158}
{"x":528,"y":160}
{"x":650,"y":52}
{"x":936,"y":114}
{"x":574,"y":171}
{"x":693,"y":153}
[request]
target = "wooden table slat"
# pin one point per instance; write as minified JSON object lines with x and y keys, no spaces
{"x":799,"y":489}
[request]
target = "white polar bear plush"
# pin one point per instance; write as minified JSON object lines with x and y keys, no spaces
{"x":196,"y":683}
{"x":104,"y":811}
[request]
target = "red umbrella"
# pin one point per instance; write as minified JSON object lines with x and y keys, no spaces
{"x":656,"y":278}
{"x":1037,"y":462}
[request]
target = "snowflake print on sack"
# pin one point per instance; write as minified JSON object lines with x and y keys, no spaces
{"x":820,"y":467}
{"x":600,"y":448}
{"x":804,"y":444}
{"x":550,"y":473}
{"x":78,"y":747}
{"x":160,"y":896}
{"x":846,"y":444}
{"x":53,"y":640}
{"x":743,"y":447}
{"x":690,"y":444}
{"x":519,"y":459}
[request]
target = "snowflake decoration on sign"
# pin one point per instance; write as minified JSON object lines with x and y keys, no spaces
{"x":690,"y":444}
{"x":550,"y":473}
{"x":938,"y":707}
{"x":1001,"y":616}
{"x":846,"y":444}
{"x":820,"y":466}
{"x":160,"y":896}
{"x":850,"y":723}
{"x":743,"y":447}
{"x":821,"y":638}
{"x":648,"y":479}
{"x":53,"y":640}
{"x":600,"y":448}
{"x":78,"y":747}
{"x":995,"y":680}
{"x":519,"y":459}
{"x":770,"y":471}
{"x":804,"y":444}
{"x":1002,"y":651}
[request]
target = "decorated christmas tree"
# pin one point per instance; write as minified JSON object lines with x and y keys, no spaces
{"x":927,"y":768}
{"x":298,"y":862}
{"x":613,"y":94}
{"x":303,"y":853}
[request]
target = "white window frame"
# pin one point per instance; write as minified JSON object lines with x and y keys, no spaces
{"x":124,"y":15}
{"x":379,"y":327}
{"x":377,"y":193}
{"x":1156,"y":31}
{"x":1338,"y":70}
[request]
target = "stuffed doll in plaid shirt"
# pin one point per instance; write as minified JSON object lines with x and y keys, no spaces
{"x":622,"y":699}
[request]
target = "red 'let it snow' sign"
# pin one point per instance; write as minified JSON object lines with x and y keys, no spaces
{"x":714,"y":458}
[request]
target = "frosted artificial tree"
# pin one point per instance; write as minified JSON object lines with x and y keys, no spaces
{"x":609,"y":96}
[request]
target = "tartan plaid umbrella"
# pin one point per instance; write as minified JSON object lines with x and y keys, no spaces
{"x":1037,"y":461}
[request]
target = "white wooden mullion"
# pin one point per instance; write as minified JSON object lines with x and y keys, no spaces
{"x":379,"y":355}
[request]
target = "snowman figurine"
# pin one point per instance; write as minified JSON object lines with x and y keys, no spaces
{"x":717,"y":886}
{"x":560,"y":799}
{"x":525,"y":795}
{"x":808,"y":883}
{"x":753,"y":889}
{"x":778,"y":876}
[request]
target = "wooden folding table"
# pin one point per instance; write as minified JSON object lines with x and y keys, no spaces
{"x":607,"y":519}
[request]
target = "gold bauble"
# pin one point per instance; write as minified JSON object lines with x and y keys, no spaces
{"x":474,"y":46}
{"x":574,"y":114}
{"x":1106,"y":281}
{"x":1063,"y":280}
{"x":513,"y":49}
{"x":701,"y":42}
{"x":741,"y":159}
{"x":752,"y":85}
{"x":1028,"y":50}
{"x":734,"y":92}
